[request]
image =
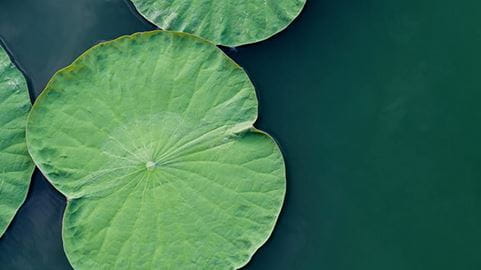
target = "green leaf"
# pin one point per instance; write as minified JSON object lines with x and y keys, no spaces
{"x":150,"y":137}
{"x":16,"y":167}
{"x":225,"y":22}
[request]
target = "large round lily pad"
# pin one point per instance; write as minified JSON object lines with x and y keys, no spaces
{"x":16,"y":167}
{"x":150,"y":137}
{"x":225,"y":22}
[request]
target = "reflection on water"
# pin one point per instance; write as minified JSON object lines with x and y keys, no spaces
{"x":374,"y":103}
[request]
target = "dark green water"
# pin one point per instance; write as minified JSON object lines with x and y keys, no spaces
{"x":376,"y":105}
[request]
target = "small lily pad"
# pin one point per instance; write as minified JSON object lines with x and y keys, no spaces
{"x":225,"y":22}
{"x":151,"y":139}
{"x":16,"y":167}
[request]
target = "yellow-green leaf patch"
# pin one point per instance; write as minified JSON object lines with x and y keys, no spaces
{"x":224,"y":22}
{"x":151,"y":139}
{"x":16,"y":167}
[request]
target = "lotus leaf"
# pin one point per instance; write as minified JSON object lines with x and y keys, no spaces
{"x":225,"y":22}
{"x":16,"y":167}
{"x":151,"y":139}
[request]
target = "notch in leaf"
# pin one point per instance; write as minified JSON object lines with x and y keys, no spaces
{"x":151,"y":139}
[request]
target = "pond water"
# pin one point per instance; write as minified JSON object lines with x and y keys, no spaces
{"x":376,"y":105}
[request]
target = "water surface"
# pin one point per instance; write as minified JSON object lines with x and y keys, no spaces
{"x":376,"y":105}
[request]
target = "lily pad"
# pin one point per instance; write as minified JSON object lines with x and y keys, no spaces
{"x":225,"y":22}
{"x":16,"y":167}
{"x":151,"y":139}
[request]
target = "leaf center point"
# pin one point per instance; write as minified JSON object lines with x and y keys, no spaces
{"x":150,"y":165}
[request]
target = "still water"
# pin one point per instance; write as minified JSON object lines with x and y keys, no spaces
{"x":376,"y":105}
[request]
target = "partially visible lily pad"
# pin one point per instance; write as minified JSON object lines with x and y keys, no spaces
{"x":225,"y":22}
{"x":16,"y":167}
{"x":151,"y":139}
